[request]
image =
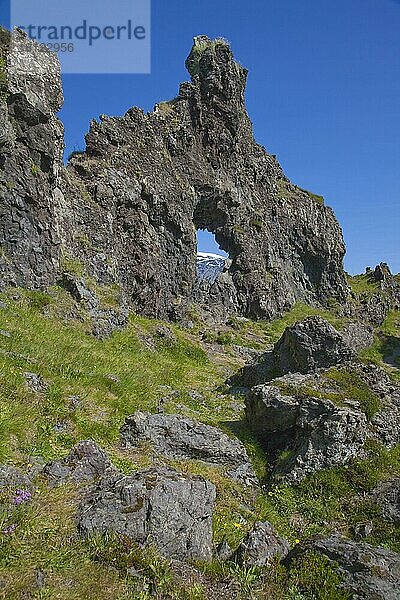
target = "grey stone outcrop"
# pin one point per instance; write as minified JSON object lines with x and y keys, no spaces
{"x":177,"y":437}
{"x":159,"y":507}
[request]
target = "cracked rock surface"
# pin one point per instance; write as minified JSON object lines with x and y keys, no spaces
{"x":178,"y":437}
{"x":159,"y":506}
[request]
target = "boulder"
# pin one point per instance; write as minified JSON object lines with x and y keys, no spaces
{"x":304,"y":347}
{"x":309,"y":345}
{"x":177,"y":437}
{"x":368,"y":573}
{"x":301,"y":432}
{"x":261,"y":545}
{"x":358,"y":336}
{"x":86,"y":462}
{"x":12,"y":478}
{"x":158,"y":507}
{"x":387,"y":496}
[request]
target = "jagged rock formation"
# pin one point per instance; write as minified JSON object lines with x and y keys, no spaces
{"x":312,"y":433}
{"x":309,"y":345}
{"x":128,"y":207}
{"x":368,"y":573}
{"x":373,"y":308}
{"x":322,"y":411}
{"x":304,"y":347}
{"x":31,"y":149}
{"x":160,"y":506}
{"x":180,"y":438}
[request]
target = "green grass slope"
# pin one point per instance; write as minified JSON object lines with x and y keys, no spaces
{"x":88,"y":388}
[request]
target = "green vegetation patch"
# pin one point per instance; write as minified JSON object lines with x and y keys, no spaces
{"x":315,"y":576}
{"x":335,"y":499}
{"x":385,"y":351}
{"x":112,"y":378}
{"x":363,"y":284}
{"x":352,"y":387}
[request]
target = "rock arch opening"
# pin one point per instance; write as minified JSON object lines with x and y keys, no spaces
{"x":211,"y":259}
{"x":214,"y":291}
{"x":211,"y":246}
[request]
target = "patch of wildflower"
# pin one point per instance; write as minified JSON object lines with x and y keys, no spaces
{"x":22,"y":496}
{"x":9,"y":530}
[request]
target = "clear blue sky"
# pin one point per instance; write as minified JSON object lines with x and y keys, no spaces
{"x":323,"y":94}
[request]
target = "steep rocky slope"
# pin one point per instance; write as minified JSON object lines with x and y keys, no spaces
{"x":122,"y":458}
{"x":219,"y":457}
{"x":126,"y":210}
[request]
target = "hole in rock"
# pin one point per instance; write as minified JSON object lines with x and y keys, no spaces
{"x":210,"y":256}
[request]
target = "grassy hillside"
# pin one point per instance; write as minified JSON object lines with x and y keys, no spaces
{"x":84,"y":388}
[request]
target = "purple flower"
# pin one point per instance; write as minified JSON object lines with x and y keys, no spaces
{"x":9,"y":530}
{"x":22,"y":496}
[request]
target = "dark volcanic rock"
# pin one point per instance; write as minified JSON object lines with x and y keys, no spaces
{"x":84,"y":463}
{"x":309,"y":345}
{"x":368,"y":573}
{"x":304,"y":347}
{"x":313,"y":432}
{"x":159,"y":507}
{"x":370,"y":308}
{"x":261,"y":545}
{"x":382,"y":273}
{"x":13,"y":478}
{"x":387,"y":496}
{"x":373,"y":306}
{"x":31,"y":149}
{"x":177,"y":437}
{"x":358,"y":336}
{"x":128,"y":207}
{"x":319,"y":420}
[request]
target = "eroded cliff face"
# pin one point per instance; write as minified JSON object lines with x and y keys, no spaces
{"x":31,"y":148}
{"x":128,"y":207}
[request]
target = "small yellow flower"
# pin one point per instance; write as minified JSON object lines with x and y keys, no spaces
{"x":296,"y":541}
{"x":237,"y":525}
{"x":29,"y":466}
{"x":38,"y":491}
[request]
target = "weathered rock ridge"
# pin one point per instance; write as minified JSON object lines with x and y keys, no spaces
{"x":127,"y":208}
{"x":314,"y":405}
